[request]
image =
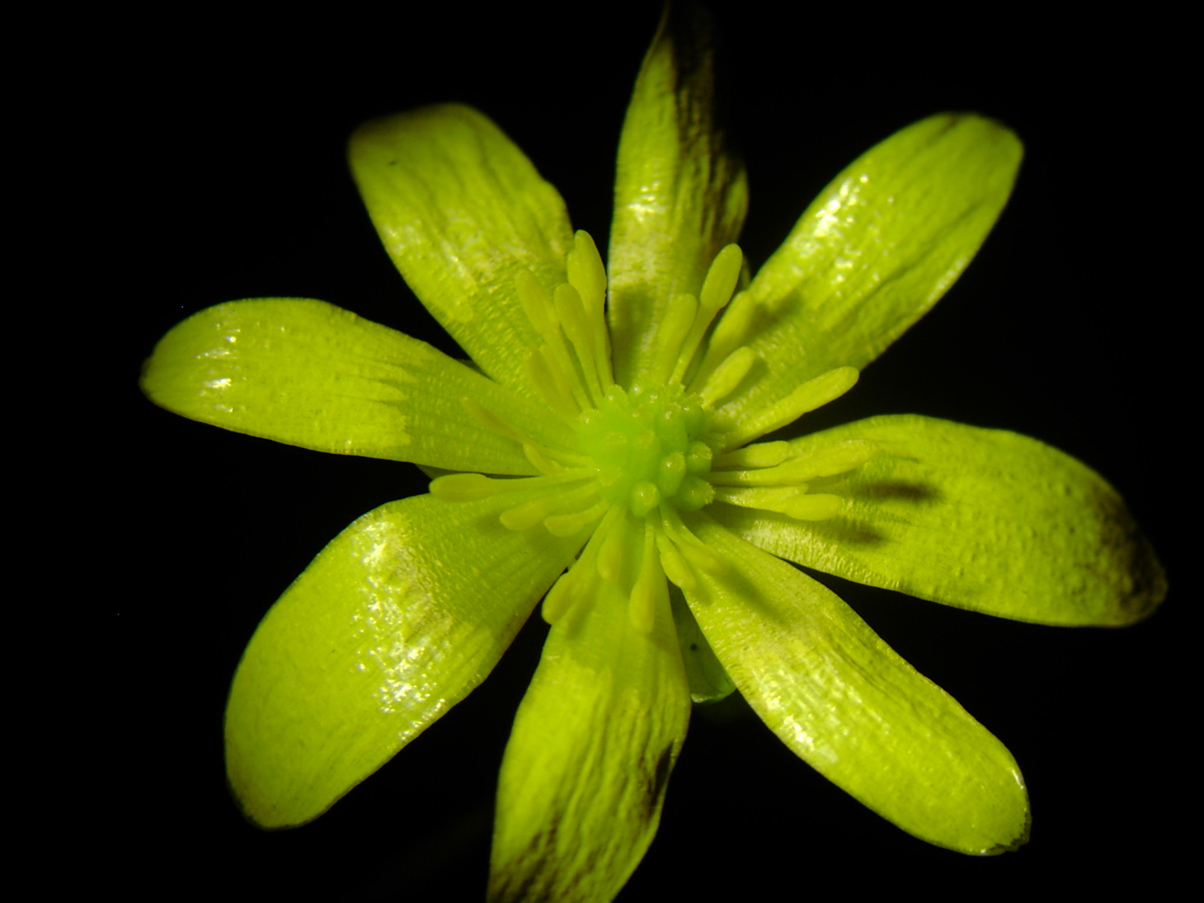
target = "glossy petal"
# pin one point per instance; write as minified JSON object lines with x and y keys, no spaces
{"x":588,"y":762}
{"x":981,"y":519}
{"x":461,"y":210}
{"x":311,"y":374}
{"x":878,"y":247}
{"x":394,"y":622}
{"x":854,"y":710}
{"x":680,"y":194}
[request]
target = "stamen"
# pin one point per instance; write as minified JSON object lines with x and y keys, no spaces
{"x":815,"y":506}
{"x":763,"y":454}
{"x":697,"y":552}
{"x":571,"y":524}
{"x":674,"y":565}
{"x":789,"y":474}
{"x":730,"y":332}
{"x":536,"y":302}
{"x":724,"y":379}
{"x":557,"y":353}
{"x":540,"y":461}
{"x":671,"y":333}
{"x":472,"y":487}
{"x":560,"y":597}
{"x":721,"y":280}
{"x":541,"y":456}
{"x":810,"y":395}
{"x":717,"y":290}
{"x":770,"y":497}
{"x":574,"y":584}
{"x":570,"y":310}
{"x":840,"y":458}
{"x":574,"y":310}
{"x":492,"y":421}
{"x":551,"y":460}
{"x":551,"y":383}
{"x":650,"y":592}
{"x":587,"y":274}
{"x":540,"y":308}
{"x":530,"y":513}
{"x":789,"y":500}
{"x":465,"y":487}
{"x":612,"y":551}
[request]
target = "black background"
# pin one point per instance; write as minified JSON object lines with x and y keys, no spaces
{"x":222,"y":146}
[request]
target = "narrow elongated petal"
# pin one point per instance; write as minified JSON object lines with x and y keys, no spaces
{"x":311,"y":374}
{"x":589,"y":759}
{"x":981,"y":519}
{"x":680,"y":194}
{"x":846,"y":703}
{"x":461,"y":210}
{"x":878,"y":247}
{"x":394,"y":622}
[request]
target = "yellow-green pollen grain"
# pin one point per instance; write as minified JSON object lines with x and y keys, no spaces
{"x":648,"y":448}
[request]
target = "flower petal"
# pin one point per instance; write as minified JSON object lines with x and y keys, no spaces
{"x":987,"y":520}
{"x":680,"y":194}
{"x":707,"y":680}
{"x":311,"y":374}
{"x":587,"y":764}
{"x":461,"y":210}
{"x":394,"y":622}
{"x":852,"y":708}
{"x":875,"y":251}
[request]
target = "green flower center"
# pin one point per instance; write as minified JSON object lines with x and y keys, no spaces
{"x":648,"y":447}
{"x":644,"y":455}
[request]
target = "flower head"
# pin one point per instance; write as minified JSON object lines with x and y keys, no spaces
{"x":610,"y":454}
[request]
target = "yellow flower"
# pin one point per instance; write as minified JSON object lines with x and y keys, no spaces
{"x":622,"y":423}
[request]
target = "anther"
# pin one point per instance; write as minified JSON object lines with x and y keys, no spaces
{"x":572,"y":524}
{"x":730,"y":332}
{"x":724,"y":379}
{"x":717,"y":290}
{"x":793,"y":501}
{"x":763,"y":454}
{"x":587,"y":274}
{"x":810,"y":395}
{"x":650,"y":593}
{"x":675,"y":325}
{"x":545,"y":375}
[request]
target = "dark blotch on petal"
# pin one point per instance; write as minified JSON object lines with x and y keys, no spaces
{"x":1146,"y":584}
{"x":660,"y":780}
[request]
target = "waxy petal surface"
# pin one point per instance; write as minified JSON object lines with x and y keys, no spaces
{"x":852,"y":708}
{"x":586,"y":768}
{"x":680,"y":194}
{"x":987,"y":520}
{"x":311,"y":374}
{"x":461,"y":210}
{"x":394,"y":622}
{"x":875,"y":251}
